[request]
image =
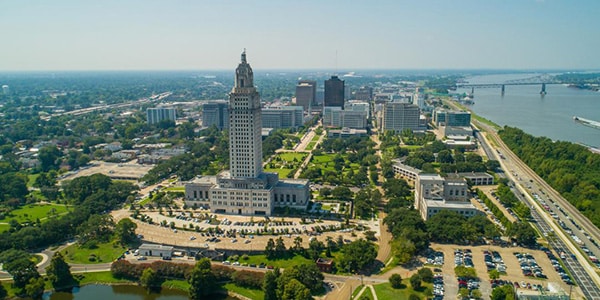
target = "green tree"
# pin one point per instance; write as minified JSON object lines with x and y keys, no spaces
{"x":315,"y":247}
{"x":270,"y":284}
{"x":357,"y":255}
{"x":48,"y":157}
{"x":98,"y":228}
{"x":202,"y":281}
{"x":35,"y":288}
{"x":415,"y":281}
{"x":270,"y":249}
{"x":59,"y":272}
{"x":125,"y":231}
{"x":280,"y":248}
{"x":307,"y":274}
{"x":396,"y":281}
{"x":504,"y":292}
{"x":150,"y":279}
{"x":414,"y":297}
{"x":294,"y":290}
{"x":426,"y":274}
{"x":463,"y":293}
{"x":22,"y":271}
{"x":3,"y":292}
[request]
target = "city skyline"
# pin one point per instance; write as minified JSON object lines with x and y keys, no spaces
{"x":334,"y":35}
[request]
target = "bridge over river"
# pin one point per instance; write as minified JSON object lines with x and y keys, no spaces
{"x":503,"y":85}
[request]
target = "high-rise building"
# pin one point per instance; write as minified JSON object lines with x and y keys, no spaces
{"x":283,"y":117}
{"x":245,"y":124}
{"x":451,"y":118}
{"x":334,"y":92}
{"x":306,"y":94}
{"x":245,"y":189}
{"x":5,"y":89}
{"x":364,"y":93}
{"x":334,"y":116}
{"x":215,"y":113}
{"x":158,"y":114}
{"x":398,"y":116}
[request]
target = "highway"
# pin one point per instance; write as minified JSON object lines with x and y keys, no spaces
{"x":580,"y":268}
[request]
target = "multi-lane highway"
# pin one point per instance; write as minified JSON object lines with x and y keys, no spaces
{"x":583,"y":272}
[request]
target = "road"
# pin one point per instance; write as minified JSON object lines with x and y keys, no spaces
{"x":583,"y":272}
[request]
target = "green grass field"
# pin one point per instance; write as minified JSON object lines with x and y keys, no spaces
{"x":283,"y":173}
{"x":310,"y":145}
{"x":106,"y":252}
{"x":31,"y":179}
{"x":32,"y":212}
{"x":385,"y":291}
{"x":250,"y":293}
{"x":281,"y":263}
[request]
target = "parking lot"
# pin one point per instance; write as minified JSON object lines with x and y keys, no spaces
{"x":513,"y":272}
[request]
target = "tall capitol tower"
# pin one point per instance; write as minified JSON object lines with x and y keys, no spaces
{"x":245,"y":189}
{"x":245,"y":124}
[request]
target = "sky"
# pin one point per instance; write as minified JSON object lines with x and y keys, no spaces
{"x":308,"y":34}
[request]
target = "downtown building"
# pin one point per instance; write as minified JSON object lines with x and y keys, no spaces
{"x":245,"y":189}
{"x":306,"y":94}
{"x":433,"y":193}
{"x":158,"y":114}
{"x":334,"y":92}
{"x":283,"y":117}
{"x":398,"y":116}
{"x":215,"y":113}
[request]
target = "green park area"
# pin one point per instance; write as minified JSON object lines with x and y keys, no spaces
{"x":285,"y":163}
{"x":32,"y":212}
{"x":279,"y":262}
{"x":385,"y":291}
{"x":101,"y":253}
{"x":326,"y":162}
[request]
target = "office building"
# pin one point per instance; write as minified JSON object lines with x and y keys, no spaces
{"x":245,"y":189}
{"x":215,"y":113}
{"x":451,"y":118}
{"x":306,"y":94}
{"x":364,"y":93}
{"x":400,"y":116}
{"x":334,"y":92}
{"x":434,"y":193}
{"x":156,"y":115}
{"x":283,"y":117}
{"x":334,"y":116}
{"x":5,"y":89}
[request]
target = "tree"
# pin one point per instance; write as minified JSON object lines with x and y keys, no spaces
{"x":504,"y":292}
{"x":357,"y":255}
{"x":98,"y":228}
{"x":464,"y":293}
{"x":125,"y":231}
{"x":426,"y":274}
{"x":59,"y":272}
{"x":476,"y":293}
{"x":315,"y":247}
{"x":307,"y":274}
{"x":270,"y":249}
{"x":294,"y":290}
{"x":3,"y":292}
{"x":494,"y":274}
{"x":270,"y":285}
{"x":202,"y":280}
{"x":22,"y":271}
{"x":280,"y":248}
{"x":415,"y":281}
{"x":298,"y":244}
{"x":414,"y":297}
{"x":150,"y":279}
{"x":403,"y":249}
{"x":396,"y":281}
{"x":35,"y":288}
{"x":48,"y":157}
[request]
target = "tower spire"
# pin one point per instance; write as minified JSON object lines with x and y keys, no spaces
{"x":244,"y":56}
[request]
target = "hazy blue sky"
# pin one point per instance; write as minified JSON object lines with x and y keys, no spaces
{"x":280,"y":34}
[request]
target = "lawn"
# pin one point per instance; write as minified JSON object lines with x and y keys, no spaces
{"x":31,"y":179}
{"x":105,"y":252}
{"x":385,"y":291}
{"x":283,"y":172}
{"x":281,"y":263}
{"x":98,"y":277}
{"x":311,"y":145}
{"x":250,"y":293}
{"x":4,"y":227}
{"x":290,"y":156}
{"x":32,"y":212}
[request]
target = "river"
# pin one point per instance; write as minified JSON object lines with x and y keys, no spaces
{"x":123,"y":292}
{"x":550,"y":115}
